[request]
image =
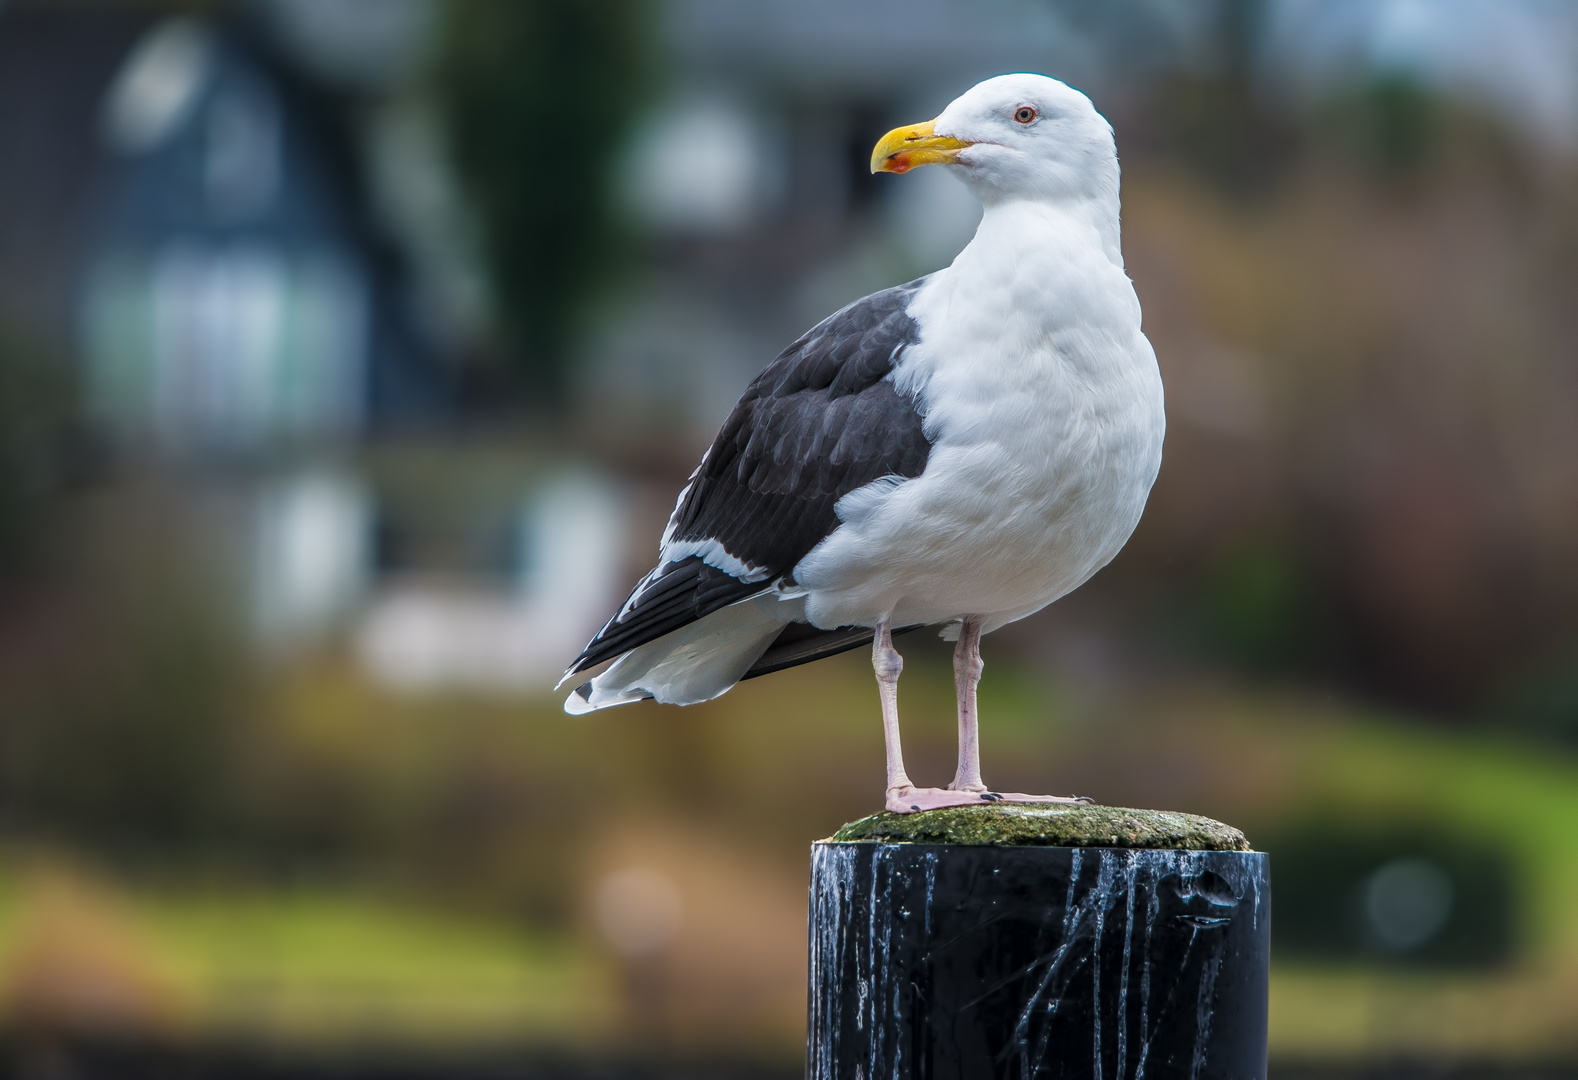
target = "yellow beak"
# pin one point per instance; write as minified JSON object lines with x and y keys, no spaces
{"x":906,"y":148}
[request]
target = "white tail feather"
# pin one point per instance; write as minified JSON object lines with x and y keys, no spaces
{"x":694,"y":663}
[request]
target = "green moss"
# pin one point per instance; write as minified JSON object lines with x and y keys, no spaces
{"x":1048,"y":826}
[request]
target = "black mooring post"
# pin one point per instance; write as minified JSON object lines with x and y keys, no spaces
{"x":1057,"y":942}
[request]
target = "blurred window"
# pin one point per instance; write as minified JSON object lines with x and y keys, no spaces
{"x":702,"y":166}
{"x":226,"y":345}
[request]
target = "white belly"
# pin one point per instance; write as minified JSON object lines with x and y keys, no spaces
{"x":1046,"y":440}
{"x":996,"y":529}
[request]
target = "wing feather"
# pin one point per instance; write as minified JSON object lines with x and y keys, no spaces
{"x":820,"y":421}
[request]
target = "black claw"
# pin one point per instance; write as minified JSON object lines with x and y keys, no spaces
{"x":991,"y":796}
{"x":914,"y":806}
{"x":1083,"y":799}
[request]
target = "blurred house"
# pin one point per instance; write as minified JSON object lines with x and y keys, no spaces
{"x":179,"y":214}
{"x":189,"y":219}
{"x":226,"y":304}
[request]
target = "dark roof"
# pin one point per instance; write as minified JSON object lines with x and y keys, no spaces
{"x":55,"y":65}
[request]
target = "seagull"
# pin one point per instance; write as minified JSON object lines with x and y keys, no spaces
{"x":955,"y":452}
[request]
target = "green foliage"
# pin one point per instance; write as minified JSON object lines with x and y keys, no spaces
{"x":538,"y":96}
{"x":120,"y":710}
{"x":1405,"y":137}
{"x":1325,"y":868}
{"x":1541,"y":695}
{"x":1393,"y":124}
{"x":121,"y":680}
{"x":1256,"y":606}
{"x":1219,"y":121}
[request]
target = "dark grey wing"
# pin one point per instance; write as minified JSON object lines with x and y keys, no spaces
{"x":801,"y":643}
{"x":819,"y":421}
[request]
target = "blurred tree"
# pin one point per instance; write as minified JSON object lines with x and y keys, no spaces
{"x":1335,"y":901}
{"x":1540,"y":695}
{"x":122,"y":692}
{"x":1219,"y":121}
{"x":1400,"y":125}
{"x":34,"y":421}
{"x":538,"y":96}
{"x":1258,"y":606}
{"x":1391,"y":124}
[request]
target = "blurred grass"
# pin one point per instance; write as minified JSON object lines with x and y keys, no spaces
{"x":1518,"y":797}
{"x":319,"y":965}
{"x":452,"y":939}
{"x":316,"y":965}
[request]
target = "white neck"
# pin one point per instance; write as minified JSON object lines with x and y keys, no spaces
{"x":1052,"y":228}
{"x":1081,"y":189}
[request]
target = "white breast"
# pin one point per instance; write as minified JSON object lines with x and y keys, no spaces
{"x":1044,"y":407}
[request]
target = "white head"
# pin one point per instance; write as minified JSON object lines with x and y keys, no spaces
{"x":1013,"y":137}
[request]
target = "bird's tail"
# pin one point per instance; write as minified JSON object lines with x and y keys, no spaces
{"x":695,"y":663}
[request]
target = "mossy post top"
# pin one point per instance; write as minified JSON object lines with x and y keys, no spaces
{"x":1025,"y":824}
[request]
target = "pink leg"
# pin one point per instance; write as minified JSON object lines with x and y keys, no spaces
{"x":967,"y":788}
{"x":887,"y":662}
{"x":903,"y":796}
{"x":966,"y":675}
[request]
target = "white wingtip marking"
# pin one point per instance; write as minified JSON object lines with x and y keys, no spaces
{"x":588,"y":698}
{"x":579,"y":703}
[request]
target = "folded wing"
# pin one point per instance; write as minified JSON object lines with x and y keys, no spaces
{"x":820,"y":421}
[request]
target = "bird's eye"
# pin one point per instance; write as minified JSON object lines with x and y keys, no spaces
{"x":1024,"y":114}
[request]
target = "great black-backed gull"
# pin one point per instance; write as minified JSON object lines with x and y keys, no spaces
{"x":958,"y":451}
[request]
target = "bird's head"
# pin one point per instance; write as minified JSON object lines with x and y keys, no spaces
{"x":1013,"y":137}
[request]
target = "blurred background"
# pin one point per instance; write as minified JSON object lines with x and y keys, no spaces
{"x":352,"y":353}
